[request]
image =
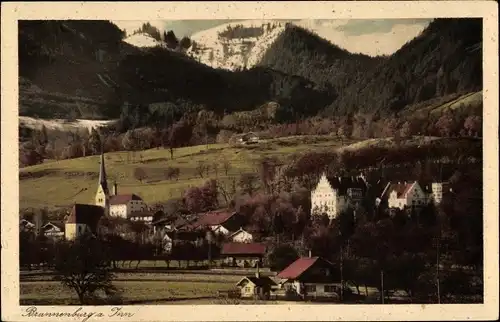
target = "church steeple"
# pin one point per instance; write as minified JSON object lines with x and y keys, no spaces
{"x":102,"y":194}
{"x":103,"y":180}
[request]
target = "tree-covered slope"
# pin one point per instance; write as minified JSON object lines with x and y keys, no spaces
{"x":446,"y":58}
{"x":298,"y":51}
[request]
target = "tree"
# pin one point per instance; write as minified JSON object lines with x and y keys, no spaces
{"x":445,"y":123}
{"x":83,"y":266}
{"x":172,"y":173}
{"x":28,"y":157}
{"x":185,"y":43}
{"x":226,"y":164}
{"x":406,"y":130}
{"x":201,"y":168}
{"x":200,"y":199}
{"x":140,"y":174}
{"x":281,"y":257}
{"x":344,"y":132}
{"x":171,"y":40}
{"x":473,"y":125}
{"x":268,"y":168}
{"x":248,"y":182}
{"x":130,"y":141}
{"x":95,"y":142}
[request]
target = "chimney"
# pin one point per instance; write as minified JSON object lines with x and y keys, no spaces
{"x":257,"y":273}
{"x":115,"y":189}
{"x":310,"y":253}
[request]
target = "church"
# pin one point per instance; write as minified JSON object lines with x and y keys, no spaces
{"x":84,"y":218}
{"x":114,"y":204}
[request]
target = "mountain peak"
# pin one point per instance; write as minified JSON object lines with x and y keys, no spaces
{"x":235,"y":45}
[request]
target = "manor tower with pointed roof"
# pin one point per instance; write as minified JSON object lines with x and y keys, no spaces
{"x":102,"y":194}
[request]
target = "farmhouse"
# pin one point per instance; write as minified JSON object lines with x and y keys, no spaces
{"x":258,"y":287}
{"x":170,"y":223}
{"x":406,"y":194}
{"x":82,"y":219}
{"x":332,"y":195}
{"x":220,"y":222}
{"x":310,"y":277}
{"x":241,"y":236}
{"x":53,"y":230}
{"x":243,"y":254}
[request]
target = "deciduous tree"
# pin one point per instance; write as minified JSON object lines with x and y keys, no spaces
{"x":83,"y":266}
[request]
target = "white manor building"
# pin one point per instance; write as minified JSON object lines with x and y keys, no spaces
{"x":332,"y":195}
{"x":128,"y":206}
{"x":402,"y":195}
{"x":405,"y":194}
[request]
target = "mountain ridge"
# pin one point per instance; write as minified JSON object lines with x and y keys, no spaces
{"x":300,"y":71}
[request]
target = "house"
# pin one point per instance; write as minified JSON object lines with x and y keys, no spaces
{"x":53,"y":230}
{"x":404,"y":194}
{"x":438,"y":191}
{"x":170,"y":223}
{"x":82,"y":219}
{"x":220,"y":222}
{"x":257,"y":287}
{"x":250,"y":138}
{"x":310,"y":277}
{"x":241,"y":236}
{"x":143,"y":216}
{"x":173,"y":238}
{"x":25,"y":225}
{"x":126,"y":205}
{"x":243,"y":254}
{"x":114,"y":204}
{"x":332,"y":195}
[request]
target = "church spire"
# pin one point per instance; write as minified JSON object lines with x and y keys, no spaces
{"x":103,"y":180}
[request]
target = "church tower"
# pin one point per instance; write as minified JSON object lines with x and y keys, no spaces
{"x":102,"y":195}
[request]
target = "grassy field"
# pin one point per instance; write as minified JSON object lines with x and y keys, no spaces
{"x":136,"y":288}
{"x":61,"y":183}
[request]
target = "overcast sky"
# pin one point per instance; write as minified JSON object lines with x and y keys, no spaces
{"x":371,"y":37}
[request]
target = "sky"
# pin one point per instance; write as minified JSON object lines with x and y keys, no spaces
{"x":371,"y":37}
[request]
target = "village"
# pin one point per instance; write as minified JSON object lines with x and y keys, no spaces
{"x":222,"y":242}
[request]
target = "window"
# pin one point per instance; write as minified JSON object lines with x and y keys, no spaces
{"x":248,"y":289}
{"x":310,"y":288}
{"x":330,"y":289}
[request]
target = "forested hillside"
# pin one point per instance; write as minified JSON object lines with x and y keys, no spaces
{"x":113,"y":73}
{"x":192,"y":86}
{"x":67,"y":69}
{"x":446,"y":58}
{"x":300,"y":52}
{"x":302,"y":72}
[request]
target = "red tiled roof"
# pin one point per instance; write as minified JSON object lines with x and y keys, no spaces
{"x":400,"y":188}
{"x":123,"y":199}
{"x":295,"y":269}
{"x":243,"y":249}
{"x":85,"y":214}
{"x":212,"y":218}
